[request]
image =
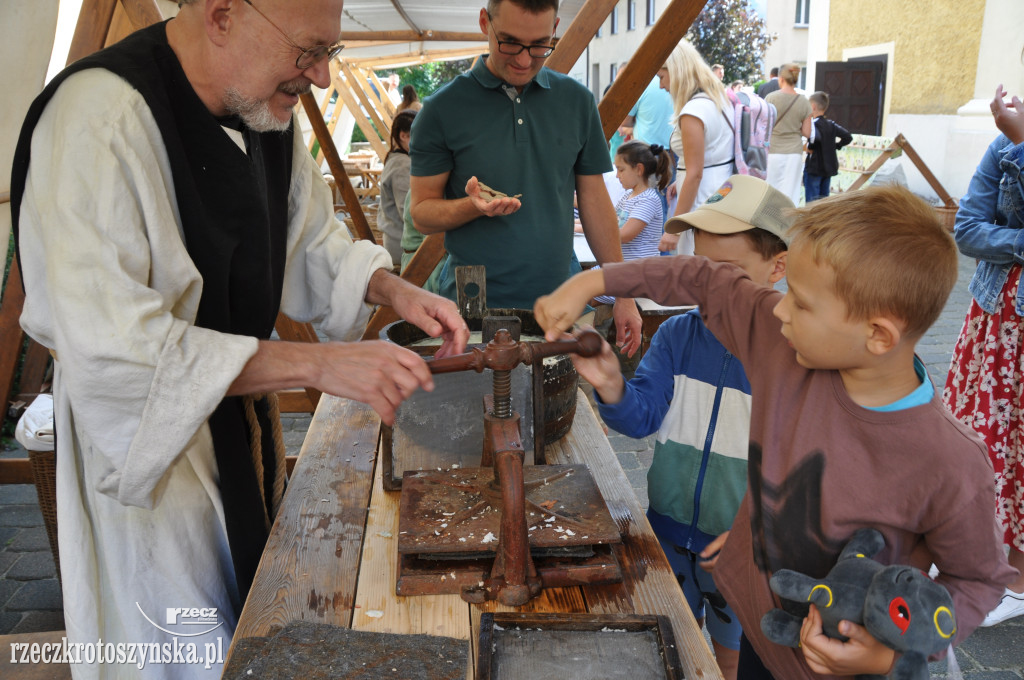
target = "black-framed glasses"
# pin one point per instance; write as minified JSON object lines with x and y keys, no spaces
{"x":511,"y":48}
{"x":309,"y":55}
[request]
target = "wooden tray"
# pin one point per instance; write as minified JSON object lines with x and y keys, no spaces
{"x":594,"y":646}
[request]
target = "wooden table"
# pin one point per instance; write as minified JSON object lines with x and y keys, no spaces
{"x":360,"y":167}
{"x":332,"y":553}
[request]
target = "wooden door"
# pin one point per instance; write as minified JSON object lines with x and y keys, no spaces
{"x":856,"y":90}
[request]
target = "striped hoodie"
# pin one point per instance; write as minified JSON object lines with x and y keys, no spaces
{"x":691,"y":391}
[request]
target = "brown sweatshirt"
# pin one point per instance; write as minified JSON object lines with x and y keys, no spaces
{"x":822,"y":467}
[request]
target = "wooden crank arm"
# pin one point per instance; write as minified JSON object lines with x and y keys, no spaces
{"x":586,"y":344}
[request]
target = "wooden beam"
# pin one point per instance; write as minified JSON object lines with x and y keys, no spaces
{"x":130,"y":16}
{"x":409,"y":58}
{"x":346,"y":94}
{"x":294,"y":401}
{"x":645,"y":62}
{"x":12,"y":337}
{"x":290,"y":330}
{"x":414,"y":36}
{"x":120,"y":26}
{"x":879,"y":161}
{"x":328,"y":93}
{"x":389,"y":106}
{"x":579,"y":34}
{"x":95,"y":21}
{"x":925,"y":171}
{"x":91,"y":29}
{"x":34,"y":369}
{"x":417,"y":272}
{"x":348,"y":192}
{"x":332,"y":125}
{"x":361,"y":89}
{"x":405,"y":16}
{"x":335,"y":67}
{"x":142,"y":13}
{"x":358,"y":44}
{"x":378,"y":96}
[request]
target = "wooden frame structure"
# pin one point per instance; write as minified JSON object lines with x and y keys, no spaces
{"x":946,"y":212}
{"x":900,"y":144}
{"x":102,"y":22}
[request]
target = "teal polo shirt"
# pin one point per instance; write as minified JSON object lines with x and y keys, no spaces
{"x":655,"y":115}
{"x":532,"y":143}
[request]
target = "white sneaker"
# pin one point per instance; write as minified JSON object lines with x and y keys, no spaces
{"x":1010,"y":606}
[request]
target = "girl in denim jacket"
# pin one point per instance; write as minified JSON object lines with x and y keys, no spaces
{"x":986,"y":381}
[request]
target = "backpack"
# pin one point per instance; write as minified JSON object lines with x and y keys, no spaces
{"x":752,"y":123}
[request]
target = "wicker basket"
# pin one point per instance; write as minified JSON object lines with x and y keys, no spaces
{"x":44,"y":472}
{"x":370,"y":213}
{"x":947,"y":215}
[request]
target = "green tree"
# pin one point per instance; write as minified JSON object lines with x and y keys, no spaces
{"x":730,"y":33}
{"x":427,"y":78}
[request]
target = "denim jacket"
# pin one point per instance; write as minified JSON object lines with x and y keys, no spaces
{"x":990,"y":220}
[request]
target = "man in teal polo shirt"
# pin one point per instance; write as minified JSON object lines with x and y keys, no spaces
{"x":523,"y":130}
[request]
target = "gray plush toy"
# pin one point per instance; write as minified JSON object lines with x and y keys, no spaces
{"x":899,"y":605}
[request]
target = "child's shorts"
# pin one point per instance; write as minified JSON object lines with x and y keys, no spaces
{"x":702,"y":594}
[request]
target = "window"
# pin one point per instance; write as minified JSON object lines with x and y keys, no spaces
{"x":803,"y":12}
{"x":630,"y":15}
{"x":802,"y":81}
{"x":615,"y":21}
{"x":595,"y":77}
{"x":598,"y":35}
{"x":650,"y":13}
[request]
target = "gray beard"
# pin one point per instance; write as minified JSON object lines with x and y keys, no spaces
{"x":255,"y":113}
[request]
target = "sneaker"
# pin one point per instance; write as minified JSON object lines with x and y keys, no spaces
{"x":1010,"y":606}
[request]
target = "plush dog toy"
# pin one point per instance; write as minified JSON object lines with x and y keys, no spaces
{"x":899,"y":605}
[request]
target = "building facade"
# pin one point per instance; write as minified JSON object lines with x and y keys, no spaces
{"x":941,"y":68}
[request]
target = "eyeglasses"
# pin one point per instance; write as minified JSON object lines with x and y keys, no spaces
{"x":310,"y":55}
{"x":512,"y":48}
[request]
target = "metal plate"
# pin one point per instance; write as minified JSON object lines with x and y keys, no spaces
{"x":449,"y":577}
{"x":556,"y":646}
{"x":459,"y":510}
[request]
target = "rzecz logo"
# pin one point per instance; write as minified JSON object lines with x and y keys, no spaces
{"x":186,"y":620}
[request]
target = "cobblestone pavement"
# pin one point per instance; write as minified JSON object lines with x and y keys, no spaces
{"x":30,"y":598}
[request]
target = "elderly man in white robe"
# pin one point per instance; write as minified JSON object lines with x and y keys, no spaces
{"x":166,"y":212}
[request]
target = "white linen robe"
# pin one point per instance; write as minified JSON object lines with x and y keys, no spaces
{"x":111,"y":288}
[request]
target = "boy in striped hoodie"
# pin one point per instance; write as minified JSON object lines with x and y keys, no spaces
{"x":694,"y":393}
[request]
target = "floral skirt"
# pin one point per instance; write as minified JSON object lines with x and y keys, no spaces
{"x":984,"y":390}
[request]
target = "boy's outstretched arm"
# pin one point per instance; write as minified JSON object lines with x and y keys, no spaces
{"x":861,"y":654}
{"x":604,"y":372}
{"x":557,"y":312}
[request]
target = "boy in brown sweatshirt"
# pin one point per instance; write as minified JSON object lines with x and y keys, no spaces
{"x":846,"y":428}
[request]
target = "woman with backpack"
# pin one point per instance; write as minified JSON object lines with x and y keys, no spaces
{"x":702,"y":138}
{"x":793,"y":121}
